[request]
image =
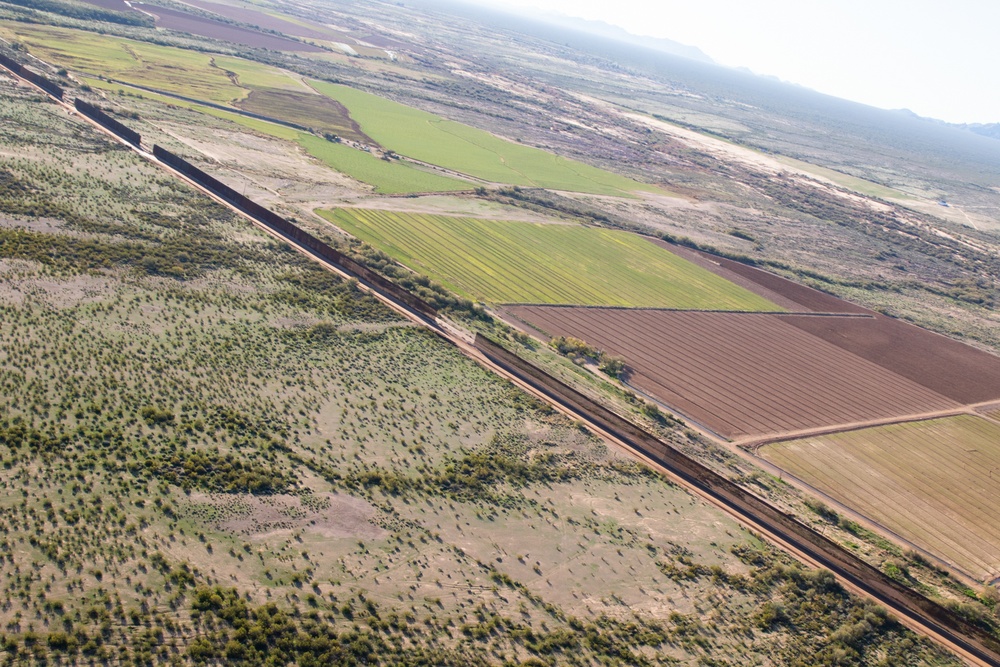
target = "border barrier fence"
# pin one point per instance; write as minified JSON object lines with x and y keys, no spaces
{"x":293,"y":233}
{"x":37,"y":79}
{"x":98,"y":116}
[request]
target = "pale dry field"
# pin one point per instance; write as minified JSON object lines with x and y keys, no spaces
{"x":935,"y":483}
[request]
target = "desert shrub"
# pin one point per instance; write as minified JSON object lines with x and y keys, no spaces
{"x":220,"y":473}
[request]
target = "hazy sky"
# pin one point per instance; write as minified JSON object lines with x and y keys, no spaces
{"x":938,"y":58}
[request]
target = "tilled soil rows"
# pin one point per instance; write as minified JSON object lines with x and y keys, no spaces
{"x":953,"y":369}
{"x":184,"y":22}
{"x":743,"y":374}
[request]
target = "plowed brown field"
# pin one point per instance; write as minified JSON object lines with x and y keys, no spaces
{"x":950,"y":368}
{"x":183,"y":22}
{"x":741,"y":373}
{"x":260,"y":19}
{"x":773,"y":287}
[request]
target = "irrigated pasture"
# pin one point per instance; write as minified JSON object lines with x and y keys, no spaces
{"x":251,"y":74}
{"x":429,"y":138}
{"x":522,"y":262}
{"x":739,"y":373}
{"x":935,"y":483}
{"x":388,"y":176}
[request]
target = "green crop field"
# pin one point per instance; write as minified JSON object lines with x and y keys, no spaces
{"x":936,"y":483}
{"x":277,"y":93}
{"x":424,"y":136}
{"x":198,"y":75}
{"x":388,"y":177}
{"x":255,"y":75}
{"x":521,"y":262}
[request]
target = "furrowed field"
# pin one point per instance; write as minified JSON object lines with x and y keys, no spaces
{"x":740,"y":374}
{"x":520,"y":262}
{"x":935,"y":483}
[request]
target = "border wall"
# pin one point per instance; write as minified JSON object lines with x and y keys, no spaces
{"x":37,"y":79}
{"x":98,"y":116}
{"x":294,"y":233}
{"x":827,"y":553}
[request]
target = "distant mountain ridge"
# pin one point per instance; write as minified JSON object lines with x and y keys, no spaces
{"x":991,"y":130}
{"x":986,"y":129}
{"x":602,"y":29}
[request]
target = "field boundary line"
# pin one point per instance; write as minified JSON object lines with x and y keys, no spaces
{"x":769,"y":313}
{"x":754,"y":443}
{"x":973,"y":644}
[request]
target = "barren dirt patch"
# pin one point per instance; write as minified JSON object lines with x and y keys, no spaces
{"x":326,"y":514}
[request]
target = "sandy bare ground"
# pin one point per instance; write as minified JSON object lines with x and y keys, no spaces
{"x":63,"y":293}
{"x":329,"y":515}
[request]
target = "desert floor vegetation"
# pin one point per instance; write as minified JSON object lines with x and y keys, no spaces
{"x":213,"y":450}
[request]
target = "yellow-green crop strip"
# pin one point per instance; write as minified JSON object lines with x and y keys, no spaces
{"x":520,"y":262}
{"x":429,"y":138}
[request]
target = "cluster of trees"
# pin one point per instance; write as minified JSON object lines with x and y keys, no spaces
{"x":581,"y":352}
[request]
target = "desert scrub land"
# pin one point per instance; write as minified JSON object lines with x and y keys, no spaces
{"x":212,"y":451}
{"x":520,"y":262}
